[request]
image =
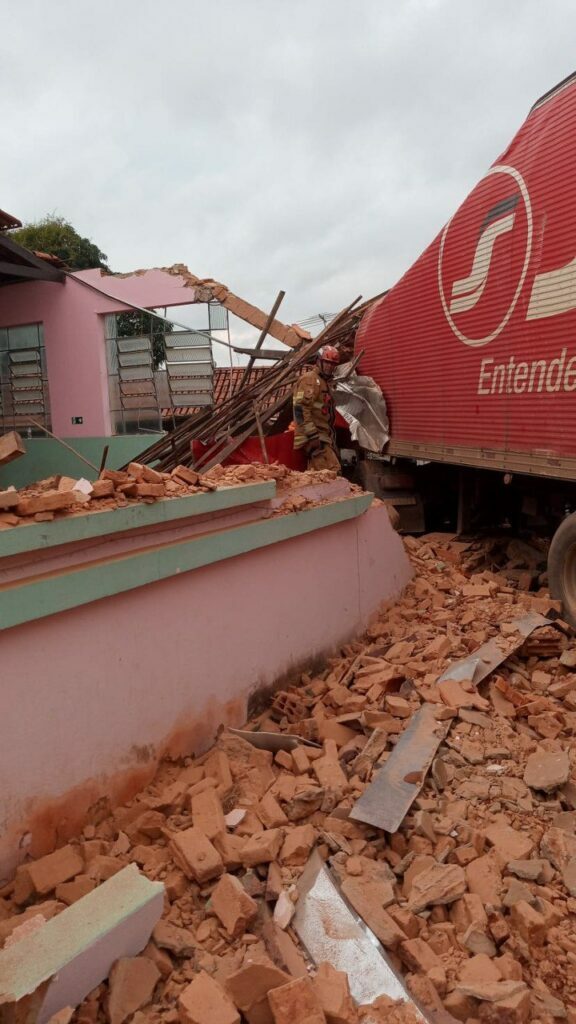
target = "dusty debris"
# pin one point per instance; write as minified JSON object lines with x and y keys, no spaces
{"x":59,"y":497}
{"x":270,"y":875}
{"x":547,"y":770}
{"x":132,"y":982}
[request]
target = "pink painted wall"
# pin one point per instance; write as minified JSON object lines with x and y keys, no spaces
{"x":91,"y":698}
{"x":72,"y":315}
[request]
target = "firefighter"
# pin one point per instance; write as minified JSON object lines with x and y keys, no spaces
{"x":314,"y":412}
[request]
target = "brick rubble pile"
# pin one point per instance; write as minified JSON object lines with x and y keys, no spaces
{"x":58,"y":497}
{"x":473,"y":898}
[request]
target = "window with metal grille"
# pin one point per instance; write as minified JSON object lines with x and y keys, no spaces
{"x":156,"y":367}
{"x":23,"y":379}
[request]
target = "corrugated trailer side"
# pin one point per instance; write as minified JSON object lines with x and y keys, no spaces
{"x":475,"y":347}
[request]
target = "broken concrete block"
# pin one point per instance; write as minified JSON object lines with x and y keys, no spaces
{"x":69,"y":892}
{"x":9,"y":499}
{"x":558,"y":847}
{"x":569,"y":876}
{"x":249,"y":988}
{"x":178,"y":940}
{"x":11,"y":447}
{"x":230,"y":849}
{"x":368,"y":899}
{"x":547,"y":770}
{"x":480,"y":968}
{"x":298,"y":845}
{"x":492,"y":991}
{"x":530,"y":870}
{"x":262,"y":847}
{"x":333,"y":993}
{"x":102,"y":488}
{"x":207,"y":813}
{"x":484,"y":879}
{"x":419,"y":955}
{"x":270,"y":813}
{"x":48,"y":872}
{"x":477,"y":942}
{"x":437,"y":885}
{"x":195,"y":855}
{"x":48,"y":501}
{"x":132,"y":983}
{"x":509,"y":843}
{"x":204,"y":1001}
{"x":78,"y":947}
{"x":188,"y":476}
{"x":160,"y":958}
{"x":528,"y":923}
{"x":296,"y":1001}
{"x":233,"y":906}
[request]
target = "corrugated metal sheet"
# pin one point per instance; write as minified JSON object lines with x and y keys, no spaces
{"x":476,"y":344}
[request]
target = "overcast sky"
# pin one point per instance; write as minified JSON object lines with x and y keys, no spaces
{"x":311,"y":145}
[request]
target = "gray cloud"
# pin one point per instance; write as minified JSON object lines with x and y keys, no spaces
{"x":312,"y":145}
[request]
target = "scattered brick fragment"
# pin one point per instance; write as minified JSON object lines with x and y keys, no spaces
{"x":333,"y":992}
{"x":262,"y":847}
{"x":233,"y":906}
{"x":547,"y":770}
{"x":196,"y":855}
{"x":204,"y":1001}
{"x":132,"y":983}
{"x":437,"y":885}
{"x":296,"y":1001}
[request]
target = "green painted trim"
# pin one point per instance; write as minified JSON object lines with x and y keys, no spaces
{"x":45,"y":457}
{"x":85,"y":584}
{"x":35,"y":536}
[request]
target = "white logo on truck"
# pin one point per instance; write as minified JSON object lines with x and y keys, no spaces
{"x":499,"y":220}
{"x":469,"y":290}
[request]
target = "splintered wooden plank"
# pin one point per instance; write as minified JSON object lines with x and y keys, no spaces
{"x":489,"y":656}
{"x":387,"y":800}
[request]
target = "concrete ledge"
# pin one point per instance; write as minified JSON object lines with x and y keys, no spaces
{"x":72,"y":529}
{"x":78,"y":947}
{"x":27,"y":599}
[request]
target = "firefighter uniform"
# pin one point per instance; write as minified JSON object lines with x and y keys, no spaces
{"x":314,"y":421}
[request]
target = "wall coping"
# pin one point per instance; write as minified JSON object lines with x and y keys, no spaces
{"x":86,"y":526}
{"x":39,"y":595}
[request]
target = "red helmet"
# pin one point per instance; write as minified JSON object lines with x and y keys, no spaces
{"x":329,"y":354}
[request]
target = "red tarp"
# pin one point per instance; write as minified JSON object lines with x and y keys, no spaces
{"x":280,"y":448}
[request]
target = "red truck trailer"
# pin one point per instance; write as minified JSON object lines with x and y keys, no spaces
{"x":475,"y":347}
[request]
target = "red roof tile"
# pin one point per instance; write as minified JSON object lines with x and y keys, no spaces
{"x":226,"y":380}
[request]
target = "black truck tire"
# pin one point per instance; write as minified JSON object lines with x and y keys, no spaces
{"x":562,"y":567}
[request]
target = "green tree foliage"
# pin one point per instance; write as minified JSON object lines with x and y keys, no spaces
{"x":134,"y":324}
{"x":56,"y":236}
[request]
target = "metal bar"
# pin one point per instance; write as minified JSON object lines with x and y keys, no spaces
{"x":104,"y":458}
{"x":387,"y":800}
{"x":263,"y":334}
{"x":63,"y":443}
{"x":261,"y":436}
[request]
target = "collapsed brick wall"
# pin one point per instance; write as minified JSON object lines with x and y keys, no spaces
{"x":473,"y":898}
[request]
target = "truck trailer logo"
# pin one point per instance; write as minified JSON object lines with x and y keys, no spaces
{"x":484,"y":256}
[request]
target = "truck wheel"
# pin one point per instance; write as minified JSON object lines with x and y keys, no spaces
{"x":562,"y":567}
